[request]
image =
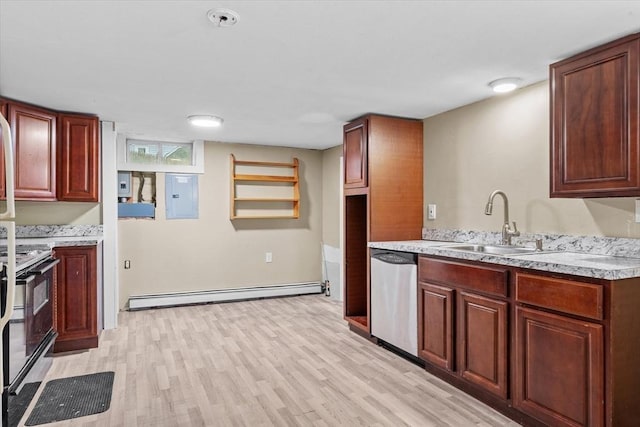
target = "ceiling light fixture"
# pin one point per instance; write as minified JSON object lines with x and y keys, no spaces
{"x":223,"y":17}
{"x":205,"y":121}
{"x":505,"y":85}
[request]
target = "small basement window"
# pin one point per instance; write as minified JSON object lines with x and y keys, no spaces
{"x":160,"y":156}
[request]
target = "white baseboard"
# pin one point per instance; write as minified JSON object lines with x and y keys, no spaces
{"x":137,"y":302}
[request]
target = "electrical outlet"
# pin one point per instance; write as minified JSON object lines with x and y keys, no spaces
{"x":637,"y":210}
{"x":431,"y":211}
{"x":268,"y":257}
{"x":127,"y":264}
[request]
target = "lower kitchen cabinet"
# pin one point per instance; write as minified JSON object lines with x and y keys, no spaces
{"x":546,"y":349}
{"x":559,"y":370}
{"x":479,"y":336}
{"x":76,"y":308}
{"x":482,"y":342}
{"x":435,"y":323}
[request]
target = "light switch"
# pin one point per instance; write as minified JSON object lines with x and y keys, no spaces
{"x":431,"y":211}
{"x":268,"y":257}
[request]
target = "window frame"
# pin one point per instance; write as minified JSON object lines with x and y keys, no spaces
{"x":197,"y":151}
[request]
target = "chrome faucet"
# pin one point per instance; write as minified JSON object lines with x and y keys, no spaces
{"x":507,"y":231}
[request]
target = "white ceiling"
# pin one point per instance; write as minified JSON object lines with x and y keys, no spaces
{"x":290,"y":73}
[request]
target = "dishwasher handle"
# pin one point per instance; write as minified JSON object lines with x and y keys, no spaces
{"x":393,"y":257}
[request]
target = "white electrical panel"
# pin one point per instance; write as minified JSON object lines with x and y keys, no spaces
{"x":124,"y":184}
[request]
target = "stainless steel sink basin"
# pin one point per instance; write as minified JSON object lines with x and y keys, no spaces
{"x":492,"y":249}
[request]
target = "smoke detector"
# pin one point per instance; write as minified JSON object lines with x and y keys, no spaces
{"x":223,"y":17}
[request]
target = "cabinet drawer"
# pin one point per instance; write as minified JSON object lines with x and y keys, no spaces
{"x":582,"y":299}
{"x":484,"y":279}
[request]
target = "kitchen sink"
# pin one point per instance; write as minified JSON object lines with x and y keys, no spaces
{"x":492,"y":249}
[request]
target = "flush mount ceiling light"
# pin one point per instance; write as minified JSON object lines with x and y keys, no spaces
{"x":223,"y":17}
{"x":505,"y":85}
{"x":205,"y":121}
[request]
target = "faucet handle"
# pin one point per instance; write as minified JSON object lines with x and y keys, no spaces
{"x":538,"y":245}
{"x":515,"y":231}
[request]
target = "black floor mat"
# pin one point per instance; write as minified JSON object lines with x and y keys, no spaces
{"x":18,"y":403}
{"x":73,"y":397}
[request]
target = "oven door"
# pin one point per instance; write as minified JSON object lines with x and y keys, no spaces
{"x":38,"y":304}
{"x":31,"y":337}
{"x":28,"y":341}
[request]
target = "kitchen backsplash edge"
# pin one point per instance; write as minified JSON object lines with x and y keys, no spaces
{"x":39,"y":231}
{"x":612,"y":246}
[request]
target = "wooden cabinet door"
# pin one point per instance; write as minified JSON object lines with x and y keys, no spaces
{"x":78,"y":158}
{"x":4,"y":112}
{"x":559,"y":370}
{"x":482,"y":342}
{"x":355,"y":154}
{"x":34,"y":139}
{"x":595,"y":146}
{"x":76,"y":298}
{"x":435,"y":325}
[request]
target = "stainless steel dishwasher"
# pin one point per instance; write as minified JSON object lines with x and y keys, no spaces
{"x":394,"y":294}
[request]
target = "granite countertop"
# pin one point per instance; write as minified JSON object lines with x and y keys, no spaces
{"x":600,"y":266}
{"x":56,"y":235}
{"x":57,"y":241}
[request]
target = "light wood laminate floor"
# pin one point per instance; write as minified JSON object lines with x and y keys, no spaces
{"x":283,"y":362}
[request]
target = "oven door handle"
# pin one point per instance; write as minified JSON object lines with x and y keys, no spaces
{"x":47,"y":267}
{"x":29,"y":279}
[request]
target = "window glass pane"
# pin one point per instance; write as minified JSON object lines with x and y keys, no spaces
{"x":166,"y":153}
{"x":176,"y":154}
{"x":142,"y":152}
{"x":160,"y":156}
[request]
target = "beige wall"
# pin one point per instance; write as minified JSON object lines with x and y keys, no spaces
{"x":214,"y":253}
{"x":331,"y":196}
{"x":503,"y":143}
{"x":57,"y":213}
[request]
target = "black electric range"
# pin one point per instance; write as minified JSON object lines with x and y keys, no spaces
{"x":29,"y":336}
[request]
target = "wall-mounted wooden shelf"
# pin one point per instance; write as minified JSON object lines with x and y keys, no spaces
{"x":259,"y":191}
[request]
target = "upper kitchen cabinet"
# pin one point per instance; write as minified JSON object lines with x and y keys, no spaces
{"x":57,"y":155}
{"x":355,"y":154}
{"x":395,"y":178}
{"x":78,"y":158}
{"x":383,"y":198}
{"x":595,"y":134}
{"x":34,"y":139}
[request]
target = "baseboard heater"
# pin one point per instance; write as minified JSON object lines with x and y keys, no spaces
{"x":138,"y":302}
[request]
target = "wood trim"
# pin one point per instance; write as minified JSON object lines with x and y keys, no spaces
{"x":75,"y":344}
